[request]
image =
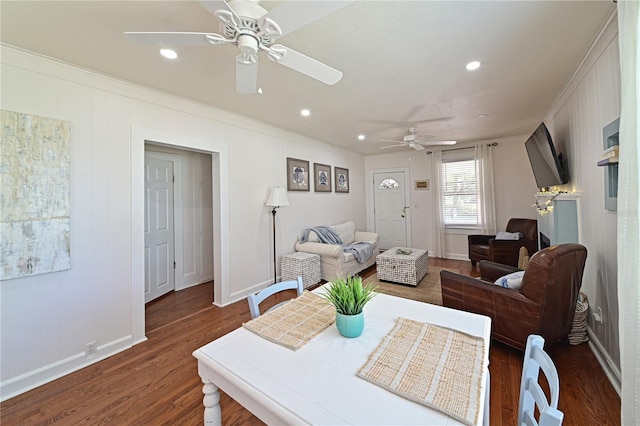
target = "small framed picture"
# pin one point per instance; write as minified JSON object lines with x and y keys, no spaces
{"x":297,"y":175}
{"x":422,"y":184}
{"x":322,"y":180}
{"x":342,"y":179}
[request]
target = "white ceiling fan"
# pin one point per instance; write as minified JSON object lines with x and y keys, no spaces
{"x":252,"y":28}
{"x":415,"y":141}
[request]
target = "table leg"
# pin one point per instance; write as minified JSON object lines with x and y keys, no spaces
{"x":211,"y":402}
{"x":487,"y":399}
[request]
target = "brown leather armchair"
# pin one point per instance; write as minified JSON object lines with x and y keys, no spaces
{"x":544,"y":305}
{"x":486,"y":247}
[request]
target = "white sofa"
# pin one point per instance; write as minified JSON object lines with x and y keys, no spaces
{"x":334,"y":261}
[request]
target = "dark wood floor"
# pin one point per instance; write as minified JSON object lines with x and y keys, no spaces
{"x":156,"y":382}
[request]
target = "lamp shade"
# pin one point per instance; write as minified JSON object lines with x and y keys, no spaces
{"x":278,"y":197}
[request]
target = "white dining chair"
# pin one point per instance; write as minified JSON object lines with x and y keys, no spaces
{"x":531,"y":394}
{"x":254,"y":300}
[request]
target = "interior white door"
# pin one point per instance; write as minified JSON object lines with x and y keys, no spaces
{"x":158,"y":228}
{"x":390,"y":209}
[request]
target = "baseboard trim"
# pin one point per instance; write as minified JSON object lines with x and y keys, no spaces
{"x":607,"y":364}
{"x":455,"y":256}
{"x":48,"y":373}
{"x":239,"y":295}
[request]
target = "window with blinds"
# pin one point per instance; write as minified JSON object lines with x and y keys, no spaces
{"x":460,"y":195}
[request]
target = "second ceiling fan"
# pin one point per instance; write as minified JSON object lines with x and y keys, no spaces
{"x":415,"y":141}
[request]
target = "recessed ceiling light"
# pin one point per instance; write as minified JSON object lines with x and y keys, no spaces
{"x":361,"y":137}
{"x":260,"y":90}
{"x":473,"y":65}
{"x":168,"y":53}
{"x":305,"y":112}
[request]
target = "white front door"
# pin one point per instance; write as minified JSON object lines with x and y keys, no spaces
{"x":158,"y":228}
{"x":390,"y":209}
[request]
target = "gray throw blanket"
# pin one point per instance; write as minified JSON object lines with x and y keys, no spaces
{"x":361,"y":251}
{"x":325,"y":235}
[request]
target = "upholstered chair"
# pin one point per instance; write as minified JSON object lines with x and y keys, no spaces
{"x":487,"y":247}
{"x":544,"y":303}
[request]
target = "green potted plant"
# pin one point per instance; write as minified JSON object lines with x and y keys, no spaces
{"x":349,"y":296}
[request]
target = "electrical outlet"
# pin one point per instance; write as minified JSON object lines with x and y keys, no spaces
{"x":90,"y":349}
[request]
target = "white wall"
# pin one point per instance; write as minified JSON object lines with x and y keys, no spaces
{"x":513,"y":180}
{"x":589,"y":103}
{"x":48,"y":319}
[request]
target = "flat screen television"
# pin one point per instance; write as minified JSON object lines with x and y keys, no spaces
{"x":547,"y":166}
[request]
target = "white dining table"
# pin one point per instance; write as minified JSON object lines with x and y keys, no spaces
{"x":317,"y":384}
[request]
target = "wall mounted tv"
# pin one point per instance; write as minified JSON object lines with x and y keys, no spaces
{"x":547,"y":166}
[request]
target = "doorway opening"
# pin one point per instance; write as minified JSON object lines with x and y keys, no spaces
{"x":178,"y":220}
{"x":217,"y":228}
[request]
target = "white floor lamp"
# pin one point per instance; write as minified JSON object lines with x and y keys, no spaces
{"x":277,"y":198}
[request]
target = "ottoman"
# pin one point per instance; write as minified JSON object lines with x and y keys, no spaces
{"x":402,"y":268}
{"x":305,"y":265}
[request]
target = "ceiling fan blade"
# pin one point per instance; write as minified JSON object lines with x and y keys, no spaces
{"x":292,"y":15}
{"x":174,"y":38}
{"x":417,"y":147}
{"x":419,"y":138}
{"x":214,"y":5}
{"x":391,"y":146}
{"x":438,"y":142}
{"x":246,"y":74}
{"x":390,"y":140}
{"x":304,"y":64}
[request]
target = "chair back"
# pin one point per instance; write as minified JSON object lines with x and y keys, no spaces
{"x":553,"y":279}
{"x":254,"y":300}
{"x":531,"y":394}
{"x":527,"y":227}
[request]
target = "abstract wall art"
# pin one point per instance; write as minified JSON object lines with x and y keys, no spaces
{"x":35,"y":179}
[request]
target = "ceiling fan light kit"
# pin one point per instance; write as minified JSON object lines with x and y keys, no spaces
{"x":253,"y":29}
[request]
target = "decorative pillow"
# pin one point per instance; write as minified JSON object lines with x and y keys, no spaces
{"x":512,"y":280}
{"x":346,"y":231}
{"x":503,"y":235}
{"x":523,"y":258}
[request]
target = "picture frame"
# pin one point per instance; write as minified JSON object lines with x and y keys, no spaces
{"x":297,"y":174}
{"x":341,"y":177}
{"x":422,"y":184}
{"x":322,"y":177}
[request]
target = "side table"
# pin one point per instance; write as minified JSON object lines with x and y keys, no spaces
{"x":306,"y":265}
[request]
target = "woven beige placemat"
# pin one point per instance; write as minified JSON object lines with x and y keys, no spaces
{"x":296,"y":322}
{"x":435,"y":366}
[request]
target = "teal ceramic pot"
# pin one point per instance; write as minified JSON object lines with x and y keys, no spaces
{"x":350,"y":325}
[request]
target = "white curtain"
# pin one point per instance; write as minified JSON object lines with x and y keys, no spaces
{"x":483,"y":155}
{"x":628,"y":210}
{"x":438,"y":209}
